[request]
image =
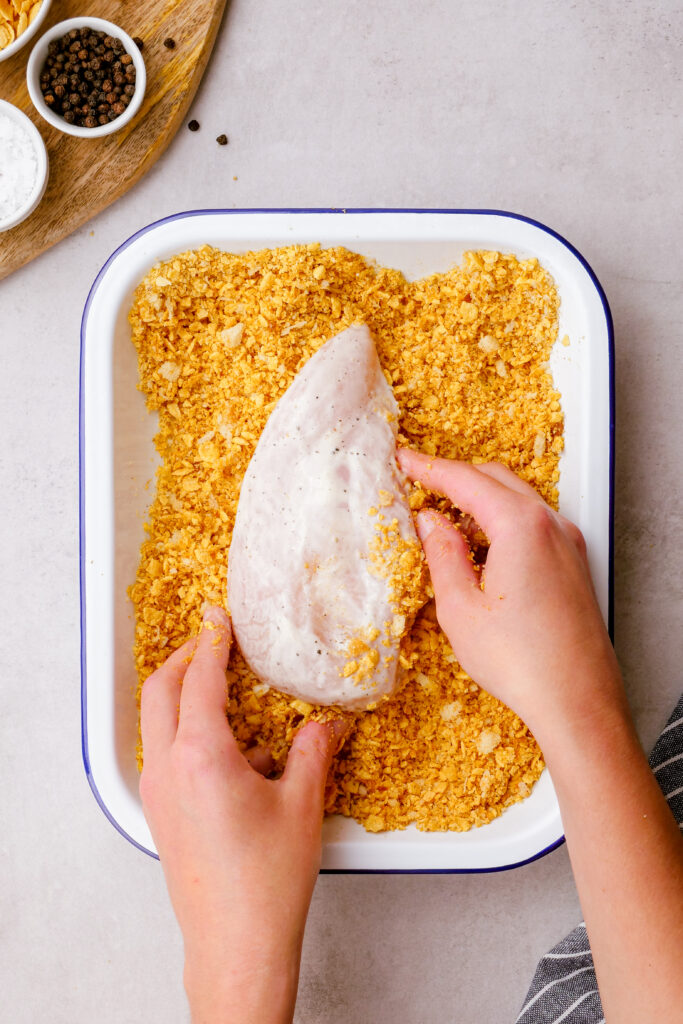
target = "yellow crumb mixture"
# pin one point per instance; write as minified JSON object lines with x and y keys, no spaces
{"x":220,"y":338}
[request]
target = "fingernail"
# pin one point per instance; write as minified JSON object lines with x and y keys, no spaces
{"x":340,"y":731}
{"x":260,"y":759}
{"x":215,"y":615}
{"x":426,"y":523}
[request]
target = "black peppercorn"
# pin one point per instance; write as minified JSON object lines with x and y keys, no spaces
{"x":193,"y":126}
{"x":169,"y":43}
{"x":88,"y":77}
{"x":138,"y":42}
{"x":222,"y":140}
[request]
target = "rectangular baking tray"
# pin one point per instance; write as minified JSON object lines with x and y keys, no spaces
{"x":117,"y":462}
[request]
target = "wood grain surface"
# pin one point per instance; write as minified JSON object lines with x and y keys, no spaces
{"x":88,"y":174}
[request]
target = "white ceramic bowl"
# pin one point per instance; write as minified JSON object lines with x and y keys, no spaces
{"x":38,"y":190}
{"x":118,"y":458}
{"x":30,"y":32}
{"x":39,"y":55}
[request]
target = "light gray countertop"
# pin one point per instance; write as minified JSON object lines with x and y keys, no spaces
{"x":568,"y":113}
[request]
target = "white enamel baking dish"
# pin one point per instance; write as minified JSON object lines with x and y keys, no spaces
{"x":117,"y":459}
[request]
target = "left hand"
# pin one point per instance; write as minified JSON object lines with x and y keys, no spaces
{"x":241,"y":853}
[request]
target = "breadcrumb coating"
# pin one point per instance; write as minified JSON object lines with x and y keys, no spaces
{"x":220,"y":337}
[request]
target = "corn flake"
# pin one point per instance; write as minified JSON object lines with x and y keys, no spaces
{"x":219,"y":338}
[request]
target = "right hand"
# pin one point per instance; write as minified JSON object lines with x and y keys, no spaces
{"x":532,"y":633}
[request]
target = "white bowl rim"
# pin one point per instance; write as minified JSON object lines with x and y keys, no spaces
{"x":37,"y":59}
{"x":28,"y":33}
{"x":41,"y":179}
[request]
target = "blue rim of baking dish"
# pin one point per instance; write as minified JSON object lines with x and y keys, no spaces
{"x":81,"y":487}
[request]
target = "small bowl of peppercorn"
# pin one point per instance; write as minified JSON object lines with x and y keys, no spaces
{"x":86,"y":76}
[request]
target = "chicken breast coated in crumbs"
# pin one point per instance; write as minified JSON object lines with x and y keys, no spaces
{"x":311,"y":570}
{"x":219,"y":338}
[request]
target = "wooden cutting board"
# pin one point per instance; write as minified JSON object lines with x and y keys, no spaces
{"x":88,"y":174}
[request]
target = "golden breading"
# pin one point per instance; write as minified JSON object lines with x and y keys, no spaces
{"x":15,"y":18}
{"x":219,"y":338}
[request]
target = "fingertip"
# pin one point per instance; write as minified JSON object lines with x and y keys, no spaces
{"x":311,"y":754}
{"x":205,"y":687}
{"x":216,"y":616}
{"x":216,"y":632}
{"x":427,"y":522}
{"x":340,"y":729}
{"x":435,"y":525}
{"x":448,"y":554}
{"x":402,"y":457}
{"x":326,"y":737}
{"x":260,"y":759}
{"x":408,"y":460}
{"x":174,"y":668}
{"x":314,"y":734}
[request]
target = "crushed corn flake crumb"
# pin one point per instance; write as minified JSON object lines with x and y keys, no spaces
{"x":219,"y":338}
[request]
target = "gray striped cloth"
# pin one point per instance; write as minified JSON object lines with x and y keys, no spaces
{"x":564,"y":987}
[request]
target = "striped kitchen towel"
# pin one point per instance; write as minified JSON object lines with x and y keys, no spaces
{"x":564,"y":987}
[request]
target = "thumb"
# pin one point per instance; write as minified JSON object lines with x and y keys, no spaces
{"x":449,"y":559}
{"x":310,"y":757}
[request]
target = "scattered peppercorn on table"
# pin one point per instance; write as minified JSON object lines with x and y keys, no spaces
{"x":219,"y":338}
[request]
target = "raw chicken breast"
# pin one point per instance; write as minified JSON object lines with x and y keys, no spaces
{"x":324,"y":557}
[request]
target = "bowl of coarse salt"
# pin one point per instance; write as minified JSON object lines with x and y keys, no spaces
{"x":23,"y":166}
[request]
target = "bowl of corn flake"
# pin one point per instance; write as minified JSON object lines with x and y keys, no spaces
{"x":19,"y":22}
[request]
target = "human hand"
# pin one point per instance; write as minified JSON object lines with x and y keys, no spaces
{"x":532,"y":633}
{"x":240,"y":853}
